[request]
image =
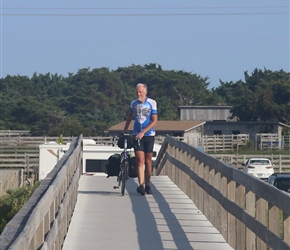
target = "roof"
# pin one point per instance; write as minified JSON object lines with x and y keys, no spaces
{"x":173,"y":126}
{"x":206,"y":107}
{"x":249,"y":122}
{"x":284,"y":125}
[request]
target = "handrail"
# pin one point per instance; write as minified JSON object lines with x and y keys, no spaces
{"x":246,"y":210}
{"x":42,"y":223}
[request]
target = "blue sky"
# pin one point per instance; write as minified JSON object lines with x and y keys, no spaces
{"x":216,"y":39}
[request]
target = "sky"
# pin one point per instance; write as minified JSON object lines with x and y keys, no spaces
{"x":216,"y":39}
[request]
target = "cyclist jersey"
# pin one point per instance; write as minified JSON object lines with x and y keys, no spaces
{"x":142,"y":115}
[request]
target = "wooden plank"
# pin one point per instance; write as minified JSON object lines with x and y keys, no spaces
{"x":286,"y":228}
{"x":232,"y":234}
{"x":250,"y":208}
{"x":274,"y":222}
{"x":224,"y":213}
{"x":241,"y":229}
{"x":262,"y":208}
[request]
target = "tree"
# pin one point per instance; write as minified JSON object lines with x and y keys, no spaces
{"x":91,"y":101}
{"x":264,"y":96}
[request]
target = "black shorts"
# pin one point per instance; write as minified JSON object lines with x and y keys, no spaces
{"x":146,"y":144}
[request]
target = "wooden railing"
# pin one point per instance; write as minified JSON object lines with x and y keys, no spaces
{"x":248,"y":212}
{"x":43,"y":221}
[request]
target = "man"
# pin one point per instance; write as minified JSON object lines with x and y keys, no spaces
{"x":144,"y":112}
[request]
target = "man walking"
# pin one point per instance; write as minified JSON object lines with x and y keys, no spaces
{"x":144,"y":112}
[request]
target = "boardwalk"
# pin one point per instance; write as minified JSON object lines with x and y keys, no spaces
{"x":168,"y":219}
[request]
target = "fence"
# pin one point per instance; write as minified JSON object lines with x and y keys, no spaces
{"x":217,"y":143}
{"x":248,"y":212}
{"x":24,"y":159}
{"x":23,"y":152}
{"x":34,"y":141}
{"x":282,"y":162}
{"x":31,"y":140}
{"x":286,"y":142}
{"x":42,"y":223}
{"x":9,"y":133}
{"x":10,"y":179}
{"x":209,"y":143}
{"x":272,"y":142}
{"x":213,"y":143}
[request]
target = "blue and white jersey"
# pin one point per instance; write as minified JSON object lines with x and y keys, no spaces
{"x":142,"y":115}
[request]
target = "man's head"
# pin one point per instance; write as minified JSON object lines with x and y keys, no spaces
{"x":141,"y":92}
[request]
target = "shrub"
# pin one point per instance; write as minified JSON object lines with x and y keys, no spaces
{"x":12,"y":201}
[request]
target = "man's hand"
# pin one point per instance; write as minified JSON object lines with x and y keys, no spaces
{"x":140,"y":135}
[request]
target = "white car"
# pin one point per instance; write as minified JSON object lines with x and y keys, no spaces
{"x":261,"y":168}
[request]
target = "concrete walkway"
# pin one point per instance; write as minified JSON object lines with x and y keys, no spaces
{"x":168,"y":219}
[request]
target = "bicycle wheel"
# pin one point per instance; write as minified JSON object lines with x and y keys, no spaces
{"x":119,"y":179}
{"x":124,"y":176}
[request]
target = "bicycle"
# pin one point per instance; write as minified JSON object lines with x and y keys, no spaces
{"x":124,"y":166}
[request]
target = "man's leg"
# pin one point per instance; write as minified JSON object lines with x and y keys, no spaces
{"x":148,"y":168}
{"x":140,"y":163}
{"x":148,"y":149}
{"x":140,"y":157}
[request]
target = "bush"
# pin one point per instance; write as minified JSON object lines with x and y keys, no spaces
{"x":12,"y":201}
{"x":248,"y":146}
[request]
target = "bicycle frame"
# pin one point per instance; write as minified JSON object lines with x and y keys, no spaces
{"x":124,"y":167}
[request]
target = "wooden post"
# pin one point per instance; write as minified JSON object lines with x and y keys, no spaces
{"x":224,"y":216}
{"x":286,"y":224}
{"x":261,"y":217}
{"x":251,"y":210}
{"x":232,"y":233}
{"x":240,"y":200}
{"x":27,"y":164}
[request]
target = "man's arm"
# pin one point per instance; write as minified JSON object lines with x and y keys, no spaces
{"x":128,"y":121}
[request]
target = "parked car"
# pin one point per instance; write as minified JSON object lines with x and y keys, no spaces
{"x":261,"y":168}
{"x":280,"y":181}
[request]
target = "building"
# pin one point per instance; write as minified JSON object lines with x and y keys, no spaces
{"x":191,"y":131}
{"x":197,"y":121}
{"x":269,"y":132}
{"x":205,"y":113}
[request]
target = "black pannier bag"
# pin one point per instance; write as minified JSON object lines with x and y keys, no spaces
{"x":129,"y":142}
{"x":133,"y":168}
{"x":113,"y":165}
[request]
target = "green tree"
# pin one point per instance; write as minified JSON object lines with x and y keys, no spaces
{"x":264,"y":96}
{"x":91,"y":101}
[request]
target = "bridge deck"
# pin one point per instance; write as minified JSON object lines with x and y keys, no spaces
{"x":168,"y":219}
